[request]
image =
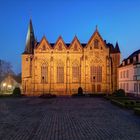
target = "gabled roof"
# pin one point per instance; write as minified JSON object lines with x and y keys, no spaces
{"x":60,"y":39}
{"x":96,"y":32}
{"x":75,"y":39}
{"x":43,"y":38}
{"x":130,"y":57}
{"x":134,"y":54}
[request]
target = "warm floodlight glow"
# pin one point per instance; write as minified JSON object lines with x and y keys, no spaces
{"x":9,"y":86}
{"x":4,"y":84}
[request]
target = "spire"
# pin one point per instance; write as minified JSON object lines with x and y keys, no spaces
{"x":96,"y":28}
{"x":117,"y":48}
{"x":30,"y":39}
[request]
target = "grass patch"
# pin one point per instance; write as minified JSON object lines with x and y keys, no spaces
{"x":126,"y":103}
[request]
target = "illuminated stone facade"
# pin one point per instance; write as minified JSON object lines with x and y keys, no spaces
{"x":61,"y":68}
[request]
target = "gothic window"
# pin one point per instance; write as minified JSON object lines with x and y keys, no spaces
{"x":60,"y":74}
{"x":75,"y":47}
{"x":44,"y":73}
{"x":60,"y":46}
{"x":99,"y":74}
{"x":96,"y":44}
{"x":43,"y":48}
{"x":96,"y":73}
{"x":75,"y":73}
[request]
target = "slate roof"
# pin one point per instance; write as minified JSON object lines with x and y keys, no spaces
{"x":130,"y":57}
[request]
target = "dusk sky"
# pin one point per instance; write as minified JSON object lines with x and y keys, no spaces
{"x":117,"y":20}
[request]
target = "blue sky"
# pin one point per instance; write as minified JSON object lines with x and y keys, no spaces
{"x":117,"y":20}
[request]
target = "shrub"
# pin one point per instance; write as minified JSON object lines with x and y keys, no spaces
{"x":17,"y":91}
{"x":119,"y":93}
{"x":132,"y":102}
{"x":126,"y":103}
{"x":137,"y":111}
{"x":80,"y":91}
{"x":47,"y":96}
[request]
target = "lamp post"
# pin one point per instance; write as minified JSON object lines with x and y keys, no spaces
{"x":4,"y":86}
{"x":94,"y":82}
{"x":43,"y":84}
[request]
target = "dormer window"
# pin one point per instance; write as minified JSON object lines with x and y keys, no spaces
{"x":128,"y":61}
{"x":134,"y":59}
{"x":96,"y":44}
{"x":123,"y":63}
{"x":139,"y":57}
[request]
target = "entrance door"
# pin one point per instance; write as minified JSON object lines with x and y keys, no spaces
{"x":93,"y":89}
{"x":98,"y":88}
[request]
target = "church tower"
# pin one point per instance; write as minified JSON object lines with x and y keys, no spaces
{"x":116,"y":56}
{"x":27,"y":57}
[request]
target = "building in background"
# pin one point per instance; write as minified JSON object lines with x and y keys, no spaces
{"x":8,"y":84}
{"x":129,"y":74}
{"x":62,"y":68}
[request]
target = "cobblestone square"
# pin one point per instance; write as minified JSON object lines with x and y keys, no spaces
{"x":66,"y":118}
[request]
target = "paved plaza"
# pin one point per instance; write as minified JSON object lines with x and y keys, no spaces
{"x":66,"y":119}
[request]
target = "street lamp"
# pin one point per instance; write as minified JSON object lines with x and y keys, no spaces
{"x":4,"y":86}
{"x":94,"y":82}
{"x":43,"y":84}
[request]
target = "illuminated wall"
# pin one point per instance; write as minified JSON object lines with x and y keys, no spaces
{"x":61,"y":68}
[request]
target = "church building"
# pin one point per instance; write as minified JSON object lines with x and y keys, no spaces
{"x":61,"y":68}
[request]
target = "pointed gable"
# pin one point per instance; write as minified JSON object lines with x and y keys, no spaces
{"x":75,"y":45}
{"x":96,"y":41}
{"x":60,"y":45}
{"x":43,"y":46}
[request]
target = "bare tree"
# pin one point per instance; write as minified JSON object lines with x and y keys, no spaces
{"x":5,"y":68}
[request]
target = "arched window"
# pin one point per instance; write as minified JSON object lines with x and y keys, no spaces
{"x":75,"y":47}
{"x":96,"y":74}
{"x":43,"y":48}
{"x":60,"y":46}
{"x":75,"y":73}
{"x":60,"y":74}
{"x":44,"y":73}
{"x":96,"y":44}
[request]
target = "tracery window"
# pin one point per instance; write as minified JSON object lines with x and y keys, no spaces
{"x":75,"y":73}
{"x":96,"y":44}
{"x":96,"y":73}
{"x":60,"y":46}
{"x":60,"y":74}
{"x":75,"y":47}
{"x":43,"y":48}
{"x":44,"y":73}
